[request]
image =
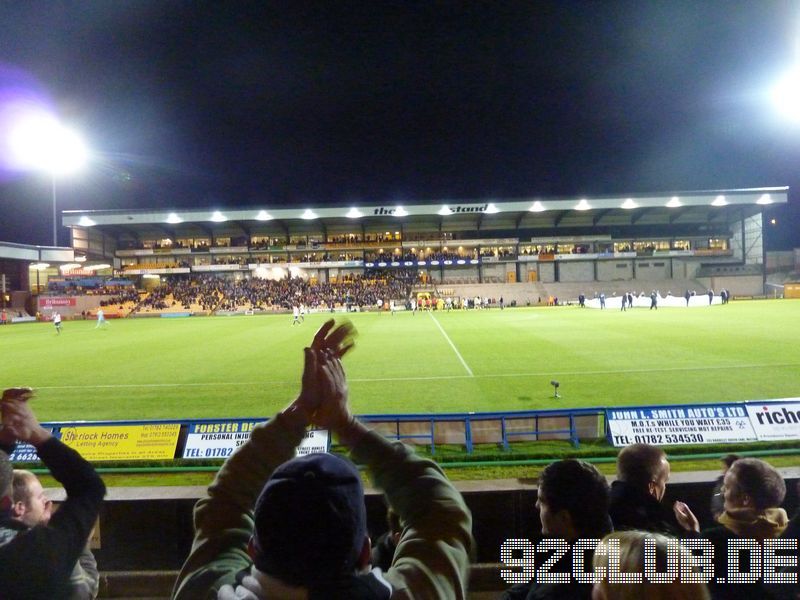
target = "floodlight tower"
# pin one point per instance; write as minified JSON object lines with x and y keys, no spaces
{"x":40,"y":143}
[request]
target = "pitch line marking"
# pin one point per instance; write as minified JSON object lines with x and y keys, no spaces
{"x":452,"y":345}
{"x":428,"y":378}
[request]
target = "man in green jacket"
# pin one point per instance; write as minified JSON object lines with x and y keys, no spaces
{"x":274,"y":526}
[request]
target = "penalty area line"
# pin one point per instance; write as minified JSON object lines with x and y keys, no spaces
{"x":452,"y":345}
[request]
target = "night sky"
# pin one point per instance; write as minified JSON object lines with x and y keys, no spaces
{"x":231,"y":104}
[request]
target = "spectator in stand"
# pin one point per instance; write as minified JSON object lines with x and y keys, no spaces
{"x":637,"y":494}
{"x":564,"y":487}
{"x":38,"y":561}
{"x":717,"y":496}
{"x":274,"y":526}
{"x":31,"y":508}
{"x":632,"y":560}
{"x":753,"y":491}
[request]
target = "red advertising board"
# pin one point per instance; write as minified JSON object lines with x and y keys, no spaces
{"x":48,"y":301}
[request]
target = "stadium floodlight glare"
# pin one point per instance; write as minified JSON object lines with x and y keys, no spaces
{"x":308,"y":215}
{"x":263,"y":216}
{"x":674,"y":202}
{"x":38,"y":142}
{"x":400,"y":212}
{"x":719,"y":201}
{"x":69,"y":267}
{"x":537,"y":207}
{"x":218,"y":217}
{"x":491,"y":209}
{"x":40,"y":266}
{"x":86,"y":222}
{"x":354,"y":213}
{"x":786,"y":95}
{"x":80,"y":259}
{"x":173,"y":219}
{"x":444,"y":211}
{"x":629,"y":204}
{"x":97,"y":267}
{"x":764,"y":200}
{"x":583,"y":205}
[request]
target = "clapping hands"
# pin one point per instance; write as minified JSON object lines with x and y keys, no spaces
{"x":324,"y":386}
{"x":18,"y":420}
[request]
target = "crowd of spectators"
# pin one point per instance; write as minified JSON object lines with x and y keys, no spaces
{"x":212,"y":292}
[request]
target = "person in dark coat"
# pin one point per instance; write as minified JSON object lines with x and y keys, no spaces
{"x":572,"y":502}
{"x":636,"y":495}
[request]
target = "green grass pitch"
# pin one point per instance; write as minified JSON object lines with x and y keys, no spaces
{"x":491,"y":360}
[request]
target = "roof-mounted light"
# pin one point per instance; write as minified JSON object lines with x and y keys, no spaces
{"x":583,"y":205}
{"x":537,"y":207}
{"x":173,"y":219}
{"x":764,"y":200}
{"x":218,"y":217}
{"x":629,"y":204}
{"x":719,"y":201}
{"x":491,"y":209}
{"x":674,"y":202}
{"x":308,"y":215}
{"x":444,"y":211}
{"x":400,"y":212}
{"x":86,"y":222}
{"x":263,"y":216}
{"x":354,"y":213}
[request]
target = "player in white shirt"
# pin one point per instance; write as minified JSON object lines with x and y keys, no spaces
{"x":101,"y":319}
{"x":302,"y":313}
{"x":296,"y":315}
{"x":57,"y":322}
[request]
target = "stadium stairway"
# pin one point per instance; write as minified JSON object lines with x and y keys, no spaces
{"x":484,"y":583}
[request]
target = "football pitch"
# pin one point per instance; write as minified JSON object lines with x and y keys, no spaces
{"x":490,"y":360}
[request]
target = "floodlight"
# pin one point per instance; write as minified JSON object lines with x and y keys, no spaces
{"x":354,"y":213}
{"x":674,"y":202}
{"x":444,"y":211}
{"x":537,"y":207}
{"x":86,"y":222}
{"x":40,"y":266}
{"x":492,"y":209}
{"x":764,"y":200}
{"x":629,"y":204}
{"x":400,"y":212}
{"x":786,"y":95}
{"x":174,"y":219}
{"x":308,"y":215}
{"x":263,"y":216}
{"x":719,"y":201}
{"x":218,"y":217}
{"x":583,"y":205}
{"x":38,"y":142}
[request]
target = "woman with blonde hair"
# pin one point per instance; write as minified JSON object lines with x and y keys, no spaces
{"x":639,"y":565}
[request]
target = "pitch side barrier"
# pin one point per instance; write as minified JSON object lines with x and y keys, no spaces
{"x":676,"y":424}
